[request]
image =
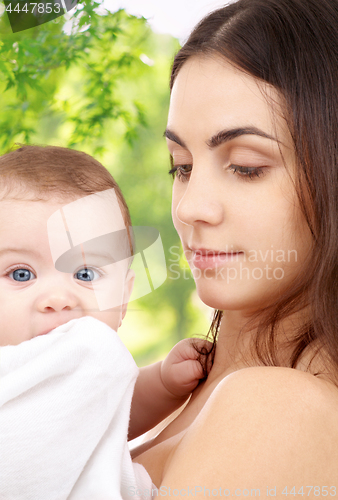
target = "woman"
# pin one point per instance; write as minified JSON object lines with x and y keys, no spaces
{"x":253,"y":134}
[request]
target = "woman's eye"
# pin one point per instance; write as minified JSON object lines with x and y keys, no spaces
{"x":182,"y":172}
{"x":20,"y":274}
{"x":86,"y":274}
{"x":248,"y":173}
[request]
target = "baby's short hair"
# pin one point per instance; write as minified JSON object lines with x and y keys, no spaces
{"x":59,"y":173}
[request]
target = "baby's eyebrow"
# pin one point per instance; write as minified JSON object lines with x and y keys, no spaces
{"x":98,"y":254}
{"x":4,"y":251}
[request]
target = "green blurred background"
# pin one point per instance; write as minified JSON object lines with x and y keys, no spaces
{"x":97,"y":81}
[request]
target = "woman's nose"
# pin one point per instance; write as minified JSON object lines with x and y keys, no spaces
{"x":199,"y":201}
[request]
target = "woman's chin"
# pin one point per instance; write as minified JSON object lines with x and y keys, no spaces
{"x":211,"y":298}
{"x":238,"y":294}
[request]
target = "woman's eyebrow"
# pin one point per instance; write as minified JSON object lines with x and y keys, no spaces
{"x":173,"y":137}
{"x":223,"y":136}
{"x":228,"y":135}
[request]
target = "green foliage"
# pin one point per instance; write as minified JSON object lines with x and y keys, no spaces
{"x":106,"y":47}
{"x":98,"y":82}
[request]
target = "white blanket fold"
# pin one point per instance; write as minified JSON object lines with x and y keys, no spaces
{"x":64,"y":412}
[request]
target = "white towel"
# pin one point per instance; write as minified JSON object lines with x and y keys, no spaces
{"x":64,"y":413}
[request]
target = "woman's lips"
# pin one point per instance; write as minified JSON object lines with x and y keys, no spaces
{"x":209,"y":260}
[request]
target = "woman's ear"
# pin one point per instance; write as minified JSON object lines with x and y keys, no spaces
{"x":128,"y":288}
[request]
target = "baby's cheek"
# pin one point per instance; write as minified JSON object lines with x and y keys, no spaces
{"x":15,"y":320}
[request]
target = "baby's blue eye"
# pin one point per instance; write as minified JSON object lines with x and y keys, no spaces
{"x":21,"y":274}
{"x":87,"y":274}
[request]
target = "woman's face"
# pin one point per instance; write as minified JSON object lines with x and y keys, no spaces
{"x":232,"y":192}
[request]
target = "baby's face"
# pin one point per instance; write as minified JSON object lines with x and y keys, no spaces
{"x":42,"y":287}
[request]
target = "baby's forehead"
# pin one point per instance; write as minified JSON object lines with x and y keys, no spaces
{"x":92,"y":224}
{"x":97,"y":214}
{"x":96,"y":210}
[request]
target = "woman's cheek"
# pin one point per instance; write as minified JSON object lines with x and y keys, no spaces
{"x":175,"y":200}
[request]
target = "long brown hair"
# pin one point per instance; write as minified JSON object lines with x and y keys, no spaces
{"x":292,"y":45}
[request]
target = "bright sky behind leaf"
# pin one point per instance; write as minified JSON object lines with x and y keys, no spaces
{"x":176,"y":17}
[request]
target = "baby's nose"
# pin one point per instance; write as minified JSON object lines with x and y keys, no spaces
{"x":57,"y":298}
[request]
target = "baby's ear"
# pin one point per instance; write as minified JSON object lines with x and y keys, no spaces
{"x":128,"y":288}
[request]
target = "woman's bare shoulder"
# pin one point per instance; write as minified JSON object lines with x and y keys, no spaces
{"x":262,"y":427}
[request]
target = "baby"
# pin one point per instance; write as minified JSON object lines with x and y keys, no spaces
{"x":66,"y":379}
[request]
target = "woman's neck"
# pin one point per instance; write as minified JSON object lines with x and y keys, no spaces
{"x":233,"y":347}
